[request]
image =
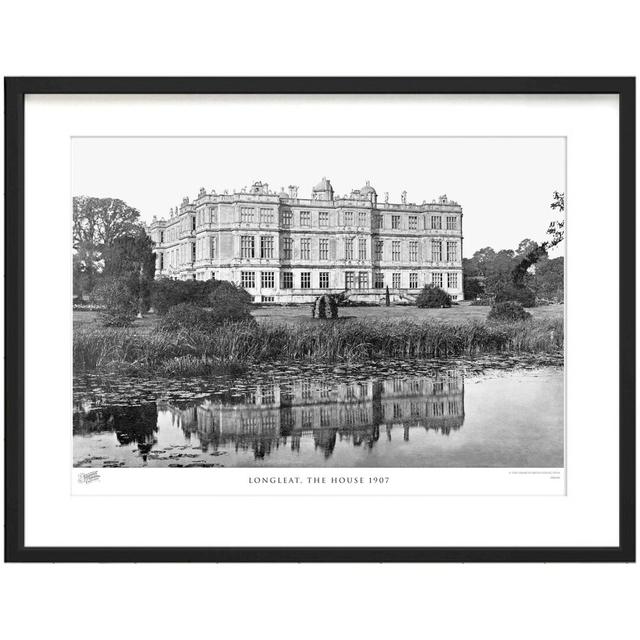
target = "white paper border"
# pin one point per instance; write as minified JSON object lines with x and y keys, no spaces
{"x":586,"y":516}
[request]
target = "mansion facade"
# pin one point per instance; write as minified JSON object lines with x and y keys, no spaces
{"x":283,"y":248}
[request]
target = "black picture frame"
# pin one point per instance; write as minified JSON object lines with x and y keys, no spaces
{"x":15,"y":91}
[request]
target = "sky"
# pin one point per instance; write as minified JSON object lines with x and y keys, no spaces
{"x":504,"y":185}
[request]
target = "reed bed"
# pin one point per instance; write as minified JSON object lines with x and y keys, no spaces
{"x":194,"y":353}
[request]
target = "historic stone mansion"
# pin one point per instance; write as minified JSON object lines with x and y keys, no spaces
{"x":284,"y":248}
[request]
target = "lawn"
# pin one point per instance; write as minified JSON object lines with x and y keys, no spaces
{"x":459,"y":314}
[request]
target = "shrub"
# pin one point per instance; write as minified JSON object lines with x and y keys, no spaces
{"x":508,"y":311}
{"x":230,"y":302}
{"x":119,"y":306}
{"x":188,"y":316}
{"x":322,"y":307}
{"x":231,"y":311}
{"x":511,"y":293}
{"x":432,"y":297}
{"x":167,"y":293}
{"x":333,"y":307}
{"x":224,"y":291}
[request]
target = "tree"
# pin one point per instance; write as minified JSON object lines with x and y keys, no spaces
{"x":97,"y":222}
{"x":473,"y":286}
{"x":119,"y":305}
{"x":131,"y":258}
{"x":548,"y":281}
{"x":498,"y":272}
{"x":535,"y":253}
{"x":525,"y":246}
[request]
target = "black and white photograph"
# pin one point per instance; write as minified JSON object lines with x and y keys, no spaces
{"x":315,"y":302}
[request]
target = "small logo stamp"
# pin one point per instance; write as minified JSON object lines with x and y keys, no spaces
{"x":89,"y":476}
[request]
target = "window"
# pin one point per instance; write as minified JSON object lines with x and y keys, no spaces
{"x":395,"y":250}
{"x":247,"y":247}
{"x":379,"y":247}
{"x":349,"y":279}
{"x":161,"y":236}
{"x":193,"y":223}
{"x":305,"y":280}
{"x":323,"y":218}
{"x":267,"y":280}
{"x":377,"y":221}
{"x":161,"y":261}
{"x":212,"y":248}
{"x":362,"y":218}
{"x":193,"y":252}
{"x":413,"y":222}
{"x":266,"y":246}
{"x":378,"y":280}
{"x":287,"y":246}
{"x":213,"y":216}
{"x":413,"y":281}
{"x":452,"y":280}
{"x":267,"y":299}
{"x":324,"y":279}
{"x":287,"y":280}
{"x":363,"y":280}
{"x":266,"y":216}
{"x":362,"y":248}
{"x":395,"y":280}
{"x":395,"y":222}
{"x":287,"y":217}
{"x":436,"y":222}
{"x":247,"y":279}
{"x":348,"y":249}
{"x":452,"y":251}
{"x":436,"y":279}
{"x":305,"y":249}
{"x":436,"y":250}
{"x":324,"y":248}
{"x":413,"y":251}
{"x":246,"y":214}
{"x":348,"y":218}
{"x":452,"y":223}
{"x":305,"y":218}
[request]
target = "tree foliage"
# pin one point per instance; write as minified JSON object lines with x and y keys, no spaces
{"x":131,"y":258}
{"x":97,"y":223}
{"x":118,"y":303}
{"x":508,"y":274}
{"x":555,"y":231}
{"x":548,"y":280}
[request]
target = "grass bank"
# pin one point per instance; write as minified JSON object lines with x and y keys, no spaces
{"x":194,"y":353}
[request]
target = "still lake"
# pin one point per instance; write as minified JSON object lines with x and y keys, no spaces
{"x":489,"y":412}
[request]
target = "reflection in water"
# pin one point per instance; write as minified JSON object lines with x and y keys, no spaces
{"x":278,"y":415}
{"x":270,"y":417}
{"x":131,"y":425}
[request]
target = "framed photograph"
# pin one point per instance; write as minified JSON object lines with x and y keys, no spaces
{"x":320,"y":319}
